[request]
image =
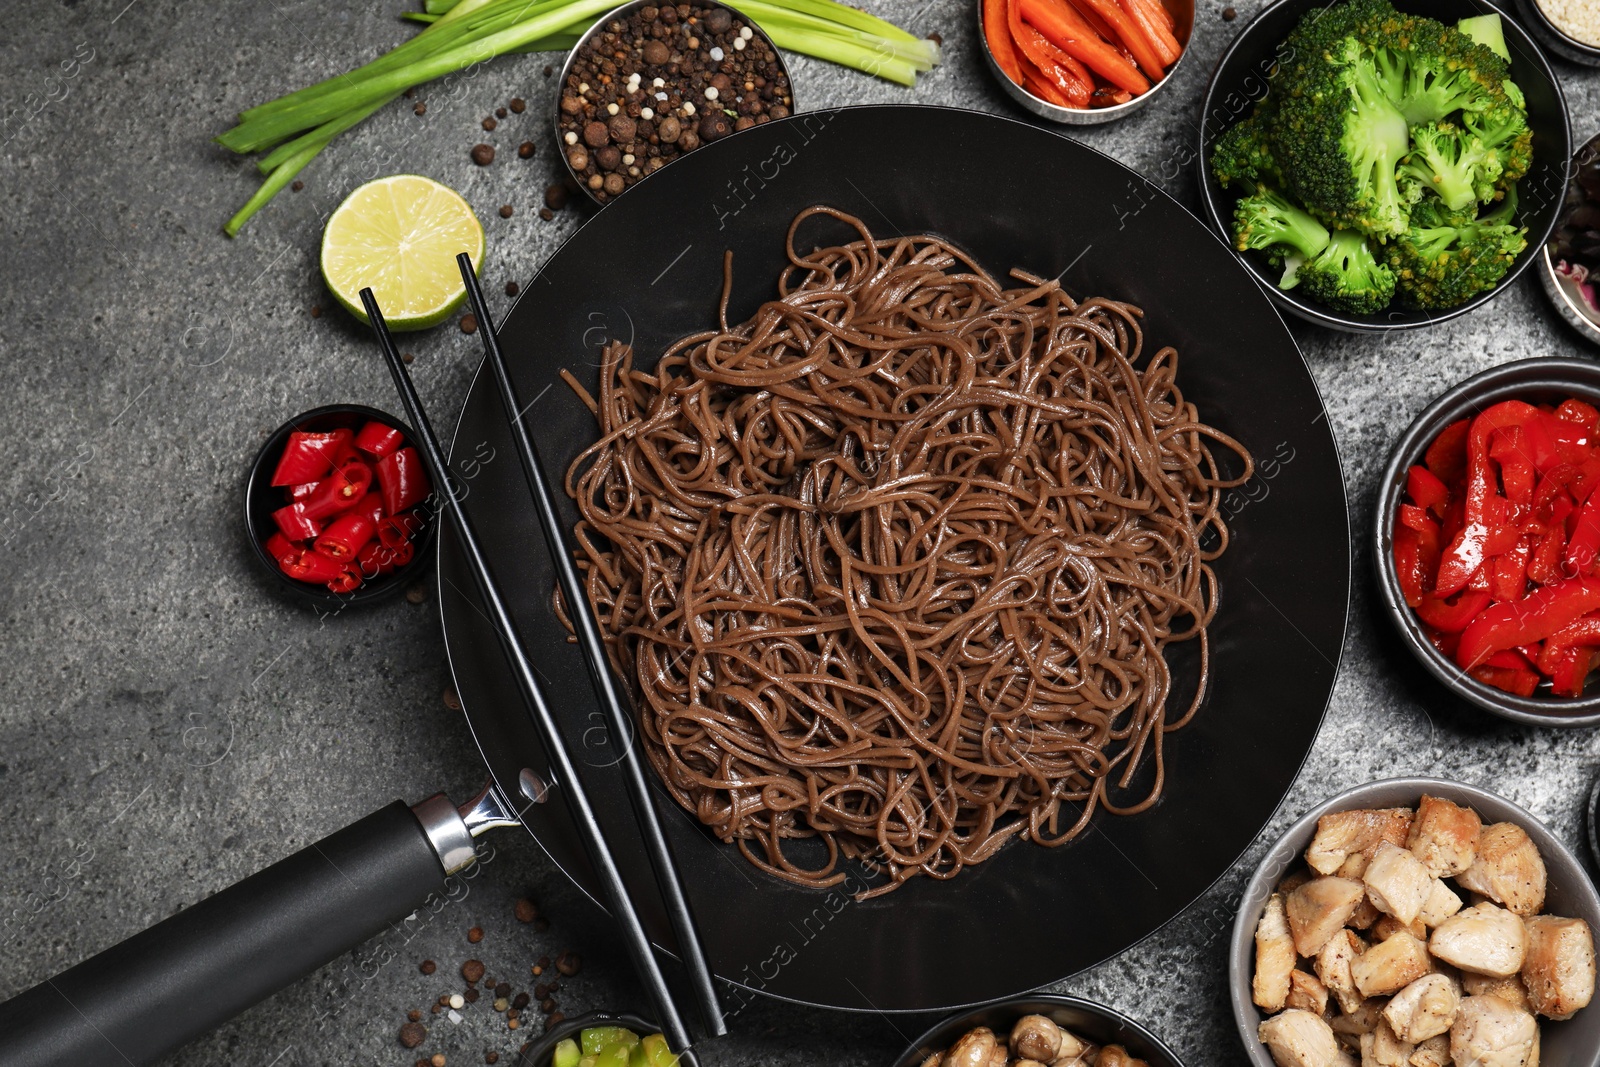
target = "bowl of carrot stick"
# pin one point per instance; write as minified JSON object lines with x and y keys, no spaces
{"x":1084,"y":62}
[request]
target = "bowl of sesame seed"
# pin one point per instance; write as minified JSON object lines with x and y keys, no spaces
{"x":650,"y":82}
{"x":1569,"y":28}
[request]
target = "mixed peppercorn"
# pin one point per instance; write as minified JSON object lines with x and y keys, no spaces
{"x":1497,"y":546}
{"x":660,"y":82}
{"x":350,"y":513}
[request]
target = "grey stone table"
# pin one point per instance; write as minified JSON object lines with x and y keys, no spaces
{"x":168,"y":726}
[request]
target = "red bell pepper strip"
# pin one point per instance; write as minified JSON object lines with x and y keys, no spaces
{"x":308,"y":566}
{"x":308,"y":456}
{"x":280,"y":547}
{"x":1569,"y":670}
{"x":1579,"y":413}
{"x":296,"y":522}
{"x":378,"y":440}
{"x":1585,"y":631}
{"x":1449,"y":618}
{"x":1445,"y":643}
{"x":345,"y":536}
{"x":1447,"y":456}
{"x":1410,"y":566}
{"x":1509,"y":659}
{"x":340,"y":490}
{"x":1517,"y":474}
{"x":347,"y":581}
{"x":1534,"y":618}
{"x":1544,"y":566}
{"x":1061,"y":25}
{"x":1585,"y":540}
{"x":402,"y":480}
{"x":1509,"y":578}
{"x":1468,"y":550}
{"x":1426,"y":490}
{"x":1520,"y":682}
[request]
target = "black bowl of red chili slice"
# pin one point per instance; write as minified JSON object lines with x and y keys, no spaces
{"x":1487,"y":542}
{"x":337,"y":506}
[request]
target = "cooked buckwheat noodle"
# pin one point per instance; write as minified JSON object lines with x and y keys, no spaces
{"x":894,"y":563}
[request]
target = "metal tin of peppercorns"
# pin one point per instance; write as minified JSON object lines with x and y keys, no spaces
{"x":691,"y":106}
{"x":1183,"y":28}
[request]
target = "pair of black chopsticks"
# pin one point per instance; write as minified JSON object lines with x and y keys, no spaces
{"x":567,"y":779}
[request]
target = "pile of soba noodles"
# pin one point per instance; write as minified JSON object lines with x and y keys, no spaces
{"x":892,"y":565}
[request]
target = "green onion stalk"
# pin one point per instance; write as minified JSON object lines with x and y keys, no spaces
{"x":296,"y":127}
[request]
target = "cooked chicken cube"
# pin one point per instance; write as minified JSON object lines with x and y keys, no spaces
{"x":1488,"y":1032}
{"x":1390,"y":966}
{"x":1307,"y":994}
{"x":1333,"y":968}
{"x":1442,"y":903}
{"x":1353,"y":867}
{"x":1397,"y":882}
{"x":1275,"y":957}
{"x":1341,"y":833}
{"x":1366,"y":914}
{"x":1483,"y":939}
{"x":1294,"y":880}
{"x":1558,"y":970}
{"x":1444,"y":836}
{"x":1382,"y":1048}
{"x":1318,"y":910}
{"x":1363,"y":1020}
{"x":1507,"y":869}
{"x":1117,"y":1056}
{"x":1434,"y":1052}
{"x":1388,"y":926}
{"x":1509,"y":989}
{"x":1424,"y":1009}
{"x":1299,"y":1039}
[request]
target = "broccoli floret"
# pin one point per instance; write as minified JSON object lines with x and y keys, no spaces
{"x":1451,"y":164}
{"x":1505,"y":132}
{"x":1268,"y":222}
{"x":1347,"y":277}
{"x":1431,"y":70}
{"x":1487,"y":31}
{"x":1441,"y":262}
{"x":1339,"y":139}
{"x":1242,"y":155}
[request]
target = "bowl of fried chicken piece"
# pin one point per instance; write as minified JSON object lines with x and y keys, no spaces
{"x":1417,"y":922}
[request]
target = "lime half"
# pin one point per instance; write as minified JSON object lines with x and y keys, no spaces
{"x":400,"y":236}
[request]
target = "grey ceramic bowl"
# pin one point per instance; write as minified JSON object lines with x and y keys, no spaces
{"x":1554,"y":38}
{"x":1183,"y":27}
{"x":1083,"y":1017}
{"x":1533,"y":380}
{"x":1574,"y":1043}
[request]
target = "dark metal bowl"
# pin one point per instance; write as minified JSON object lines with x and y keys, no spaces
{"x":1574,"y":1043}
{"x":624,"y":11}
{"x":1241,"y":79}
{"x":1568,"y":302}
{"x":1084,"y":1018}
{"x":262,"y":498}
{"x":1552,"y":37}
{"x":1533,"y":380}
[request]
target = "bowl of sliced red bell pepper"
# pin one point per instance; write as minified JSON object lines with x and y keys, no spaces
{"x":337,"y":506}
{"x":1487,"y":540}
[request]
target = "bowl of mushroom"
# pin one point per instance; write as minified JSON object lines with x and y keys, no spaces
{"x":1038,"y":1030}
{"x":1417,"y":922}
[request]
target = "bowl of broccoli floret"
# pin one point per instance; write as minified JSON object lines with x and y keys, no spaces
{"x":1381,"y":167}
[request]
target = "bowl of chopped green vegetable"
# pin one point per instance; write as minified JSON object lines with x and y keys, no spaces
{"x":1384,"y":167}
{"x":599,"y":1039}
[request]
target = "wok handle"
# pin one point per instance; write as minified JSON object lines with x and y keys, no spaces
{"x":139,"y":1000}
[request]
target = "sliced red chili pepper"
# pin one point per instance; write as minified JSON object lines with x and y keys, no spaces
{"x":303,"y":491}
{"x":371,"y":506}
{"x":1426,"y":490}
{"x":279,"y":547}
{"x":296,"y":522}
{"x":378,"y":440}
{"x":396,"y":530}
{"x":348,"y":581}
{"x":1533,"y":618}
{"x":402,"y":479}
{"x":1579,"y":413}
{"x":308,"y":456}
{"x":308,"y":566}
{"x":345,"y":536}
{"x":1447,"y":456}
{"x":402,"y":554}
{"x":340,"y":490}
{"x":1509,"y":578}
{"x":374,"y":559}
{"x":1522,"y":683}
{"x":1448,"y":616}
